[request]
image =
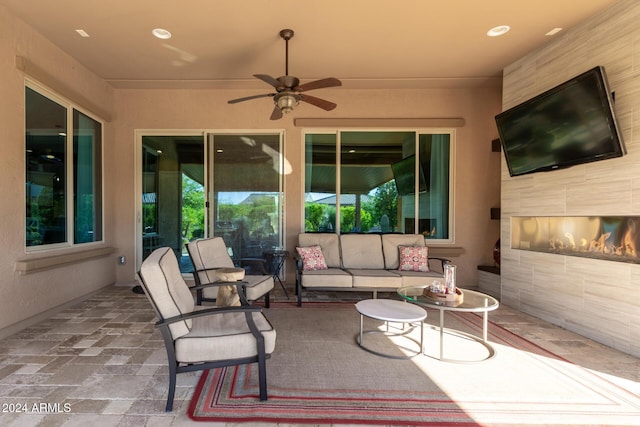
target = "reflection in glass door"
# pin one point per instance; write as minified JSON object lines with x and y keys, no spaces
{"x":246,"y":208}
{"x":173,"y":193}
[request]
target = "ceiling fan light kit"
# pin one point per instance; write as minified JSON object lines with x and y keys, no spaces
{"x":286,"y":102}
{"x":288,"y":88}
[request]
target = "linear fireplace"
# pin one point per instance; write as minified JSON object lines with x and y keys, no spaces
{"x":613,"y":238}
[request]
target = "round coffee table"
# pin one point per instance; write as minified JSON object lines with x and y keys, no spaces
{"x":387,"y":311}
{"x":475,"y":302}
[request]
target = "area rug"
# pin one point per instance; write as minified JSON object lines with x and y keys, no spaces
{"x":319,"y":375}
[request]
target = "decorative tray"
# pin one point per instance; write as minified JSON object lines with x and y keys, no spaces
{"x":457,"y":297}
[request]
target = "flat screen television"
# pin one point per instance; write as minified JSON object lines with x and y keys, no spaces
{"x":404,"y":172}
{"x":567,"y":125}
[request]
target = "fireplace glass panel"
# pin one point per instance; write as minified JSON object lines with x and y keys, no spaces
{"x":613,"y":238}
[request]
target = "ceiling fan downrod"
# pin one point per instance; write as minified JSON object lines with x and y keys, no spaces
{"x":287,"y":35}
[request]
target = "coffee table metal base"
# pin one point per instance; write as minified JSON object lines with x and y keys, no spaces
{"x":483,"y":340}
{"x":474,"y":302}
{"x":391,"y":311}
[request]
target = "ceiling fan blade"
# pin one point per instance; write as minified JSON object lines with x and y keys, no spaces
{"x":247,"y":98}
{"x":269,"y":80}
{"x":276,"y":113}
{"x":321,"y":103}
{"x":318,"y":84}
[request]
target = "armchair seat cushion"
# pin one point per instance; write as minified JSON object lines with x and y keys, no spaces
{"x":223,"y":336}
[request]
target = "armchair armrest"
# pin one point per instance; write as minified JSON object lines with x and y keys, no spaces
{"x":208,"y":312}
{"x":258,"y":264}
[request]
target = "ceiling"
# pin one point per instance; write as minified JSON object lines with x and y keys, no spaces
{"x":364,"y":43}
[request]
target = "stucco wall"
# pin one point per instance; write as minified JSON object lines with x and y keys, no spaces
{"x":23,"y":296}
{"x":598,"y":299}
{"x":477,"y":168}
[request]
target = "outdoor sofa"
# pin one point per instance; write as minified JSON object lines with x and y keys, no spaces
{"x":363,"y":262}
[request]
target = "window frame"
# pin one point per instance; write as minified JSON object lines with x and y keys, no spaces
{"x":451,"y":132}
{"x":70,"y":167}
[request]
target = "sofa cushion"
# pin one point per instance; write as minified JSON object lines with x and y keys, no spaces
{"x":312,"y":258}
{"x":414,"y":258}
{"x":330,"y":278}
{"x":390,"y":243}
{"x":362,"y":251}
{"x":369,"y":278}
{"x":416,"y":278}
{"x":329,"y":243}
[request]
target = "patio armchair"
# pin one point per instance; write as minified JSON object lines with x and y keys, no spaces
{"x":209,"y":255}
{"x":199,"y":338}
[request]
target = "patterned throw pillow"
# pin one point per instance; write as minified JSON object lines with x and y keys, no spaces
{"x":414,"y":258}
{"x":312,"y":258}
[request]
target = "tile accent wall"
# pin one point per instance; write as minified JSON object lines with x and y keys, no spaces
{"x":599,"y":299}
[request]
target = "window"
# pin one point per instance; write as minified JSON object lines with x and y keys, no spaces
{"x":63,"y":172}
{"x":379,"y":182}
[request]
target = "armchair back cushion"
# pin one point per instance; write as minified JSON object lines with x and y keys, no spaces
{"x":210,"y":253}
{"x":329,"y":244}
{"x":390,"y":243}
{"x":362,"y":251}
{"x":167,"y":289}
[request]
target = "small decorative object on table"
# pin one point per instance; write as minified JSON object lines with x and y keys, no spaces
{"x":457,"y":296}
{"x":446,"y":291}
{"x":450,"y":278}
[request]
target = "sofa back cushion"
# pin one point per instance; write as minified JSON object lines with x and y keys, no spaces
{"x":362,"y":251}
{"x":390,"y":243}
{"x":328,"y":242}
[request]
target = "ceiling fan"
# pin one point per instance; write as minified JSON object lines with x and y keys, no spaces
{"x":289,"y":91}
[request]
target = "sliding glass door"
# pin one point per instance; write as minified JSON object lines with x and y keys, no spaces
{"x":173,"y":193}
{"x":247,"y":196}
{"x":216,"y":184}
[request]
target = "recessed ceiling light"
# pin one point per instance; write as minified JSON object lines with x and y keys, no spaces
{"x":219,"y":150}
{"x":161,"y":33}
{"x":498,"y":31}
{"x":352,"y":151}
{"x":82,"y":33}
{"x":554,"y":31}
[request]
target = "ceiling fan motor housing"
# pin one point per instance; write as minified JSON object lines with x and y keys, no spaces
{"x":289,"y":82}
